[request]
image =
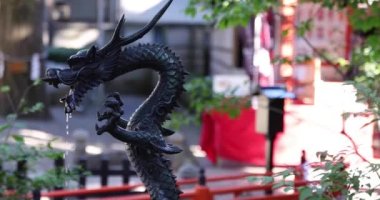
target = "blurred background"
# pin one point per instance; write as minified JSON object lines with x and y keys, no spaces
{"x":266,"y":92}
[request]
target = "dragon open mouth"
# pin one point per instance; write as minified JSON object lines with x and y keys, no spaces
{"x":78,"y":86}
{"x":76,"y":94}
{"x":53,"y":82}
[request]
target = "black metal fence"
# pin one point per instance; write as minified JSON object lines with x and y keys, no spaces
{"x":104,"y":172}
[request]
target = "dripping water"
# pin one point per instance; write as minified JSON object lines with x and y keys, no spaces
{"x":67,"y":124}
{"x":65,"y":155}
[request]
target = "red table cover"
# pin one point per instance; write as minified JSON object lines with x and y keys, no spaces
{"x":232,"y":139}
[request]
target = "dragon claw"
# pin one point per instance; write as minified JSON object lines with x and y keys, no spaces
{"x":99,"y":130}
{"x":117,"y":97}
{"x":111,"y":112}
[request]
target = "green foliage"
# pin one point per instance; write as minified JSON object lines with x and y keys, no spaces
{"x":363,"y":70}
{"x":304,"y":27}
{"x":278,"y":180}
{"x":18,"y":151}
{"x":202,"y":99}
{"x":364,"y":18}
{"x":13,"y":149}
{"x":228,"y":13}
{"x":335,"y":180}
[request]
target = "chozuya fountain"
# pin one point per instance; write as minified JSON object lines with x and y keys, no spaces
{"x":143,"y":133}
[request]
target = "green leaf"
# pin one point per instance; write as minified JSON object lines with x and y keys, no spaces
{"x":285,"y":173}
{"x":5,"y":89}
{"x":253,"y":179}
{"x":36,"y":107}
{"x":284,"y":33}
{"x":278,"y":185}
{"x":370,"y":191}
{"x":305,"y":193}
{"x":287,"y":189}
{"x":191,"y":11}
{"x":37,"y":82}
{"x":268,"y":179}
{"x":18,"y":138}
{"x":304,"y":27}
{"x":3,"y":127}
{"x":322,"y":155}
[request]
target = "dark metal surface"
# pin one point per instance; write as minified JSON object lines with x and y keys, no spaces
{"x":143,"y":133}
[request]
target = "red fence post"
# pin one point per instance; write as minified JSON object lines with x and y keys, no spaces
{"x":202,"y":193}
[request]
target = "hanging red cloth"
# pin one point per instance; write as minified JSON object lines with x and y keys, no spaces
{"x":232,"y":139}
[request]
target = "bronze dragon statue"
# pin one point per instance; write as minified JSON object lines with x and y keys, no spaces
{"x":143,"y":133}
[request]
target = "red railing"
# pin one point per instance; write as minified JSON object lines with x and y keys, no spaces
{"x":198,"y":193}
{"x":114,"y":189}
{"x":205,"y":193}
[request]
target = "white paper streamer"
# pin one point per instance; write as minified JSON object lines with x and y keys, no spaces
{"x":2,"y":65}
{"x":35,"y":67}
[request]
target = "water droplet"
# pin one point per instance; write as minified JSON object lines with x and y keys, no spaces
{"x":67,"y":123}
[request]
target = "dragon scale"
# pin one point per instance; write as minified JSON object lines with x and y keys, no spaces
{"x":170,"y":85}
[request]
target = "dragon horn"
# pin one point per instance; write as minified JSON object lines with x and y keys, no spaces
{"x":118,"y":42}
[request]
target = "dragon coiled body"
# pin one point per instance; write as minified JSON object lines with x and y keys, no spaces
{"x":170,"y":85}
{"x":144,"y":133}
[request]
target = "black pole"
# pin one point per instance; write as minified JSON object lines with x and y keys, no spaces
{"x":36,"y":194}
{"x":126,"y":171}
{"x":59,"y":165}
{"x":206,"y":52}
{"x":269,"y":145}
{"x":104,"y":171}
{"x":269,"y":155}
{"x":82,"y":177}
{"x":202,"y":177}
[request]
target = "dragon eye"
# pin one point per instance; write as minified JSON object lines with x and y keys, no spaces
{"x":75,"y":62}
{"x":70,"y":62}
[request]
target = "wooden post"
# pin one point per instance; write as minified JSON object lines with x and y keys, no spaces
{"x":201,"y":190}
{"x":126,"y":170}
{"x":82,"y":178}
{"x":36,"y":194}
{"x":22,"y":168}
{"x":59,"y":164}
{"x":202,"y":193}
{"x":104,"y":172}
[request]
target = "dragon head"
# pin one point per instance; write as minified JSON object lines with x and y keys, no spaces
{"x":90,"y":67}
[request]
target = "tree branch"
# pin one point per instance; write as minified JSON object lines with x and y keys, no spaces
{"x":323,"y":56}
